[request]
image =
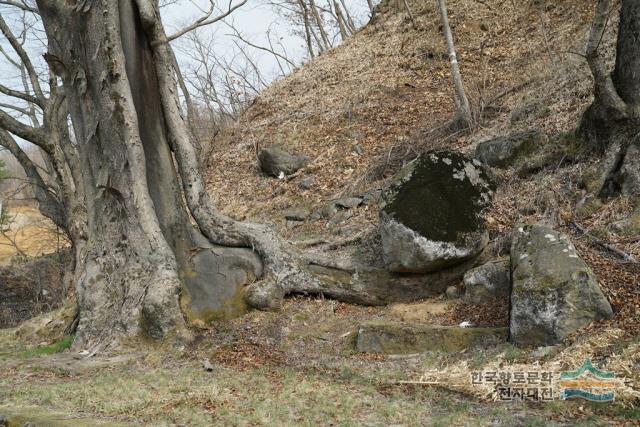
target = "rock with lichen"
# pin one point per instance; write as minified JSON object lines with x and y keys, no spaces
{"x":553,"y":292}
{"x":433,"y":216}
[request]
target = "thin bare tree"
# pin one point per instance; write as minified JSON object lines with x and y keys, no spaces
{"x":463,"y":109}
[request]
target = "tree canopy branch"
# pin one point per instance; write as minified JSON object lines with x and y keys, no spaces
{"x":20,"y":5}
{"x":24,"y":57}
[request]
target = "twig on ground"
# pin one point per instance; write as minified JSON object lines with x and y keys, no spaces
{"x":606,"y":245}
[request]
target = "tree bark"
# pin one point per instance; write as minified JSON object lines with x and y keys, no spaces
{"x":613,"y":115}
{"x":612,"y":122}
{"x":307,"y":27}
{"x":318,"y":19}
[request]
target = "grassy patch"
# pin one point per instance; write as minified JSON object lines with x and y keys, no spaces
{"x":55,"y":347}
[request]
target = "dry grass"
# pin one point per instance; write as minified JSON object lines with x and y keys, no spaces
{"x":386,"y":87}
{"x":29,"y":234}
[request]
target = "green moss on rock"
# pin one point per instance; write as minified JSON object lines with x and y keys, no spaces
{"x":440,"y":196}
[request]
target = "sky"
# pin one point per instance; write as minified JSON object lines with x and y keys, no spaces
{"x":254,"y":21}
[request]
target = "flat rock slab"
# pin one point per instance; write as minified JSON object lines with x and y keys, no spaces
{"x":403,"y":338}
{"x":434,"y":213}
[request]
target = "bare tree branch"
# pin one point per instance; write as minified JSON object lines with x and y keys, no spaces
{"x":206,"y":21}
{"x":17,"y":47}
{"x":20,"y":5}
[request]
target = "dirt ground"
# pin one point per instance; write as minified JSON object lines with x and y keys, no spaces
{"x":296,"y":367}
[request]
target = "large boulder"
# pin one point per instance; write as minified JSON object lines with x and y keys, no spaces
{"x":488,"y":282}
{"x":504,"y":151}
{"x":403,"y":338}
{"x":274,"y":160}
{"x":216,"y":282}
{"x":434,"y":213}
{"x":554,"y":292}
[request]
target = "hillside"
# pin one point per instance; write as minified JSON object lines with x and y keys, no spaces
{"x":388,"y":88}
{"x":360,"y":112}
{"x":388,"y":91}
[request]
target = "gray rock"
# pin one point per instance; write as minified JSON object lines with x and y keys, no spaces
{"x":372,"y":197}
{"x":297,"y":214}
{"x":357,"y":148}
{"x":504,"y":151}
{"x":348,"y":202}
{"x":434,"y":213}
{"x":553,"y":292}
{"x":234,"y":268}
{"x":306,"y":183}
{"x":401,"y":338}
{"x":488,"y":282}
{"x":4,"y":421}
{"x":340,"y":217}
{"x":453,"y":292}
{"x":274,"y":159}
{"x":325,"y":212}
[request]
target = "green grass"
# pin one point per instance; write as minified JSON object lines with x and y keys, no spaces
{"x":55,"y":347}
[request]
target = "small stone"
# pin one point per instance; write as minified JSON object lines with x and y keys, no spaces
{"x":4,"y":421}
{"x":504,"y":151}
{"x":372,"y":197}
{"x":207,"y":365}
{"x":274,"y":160}
{"x":348,"y":202}
{"x":453,"y":292}
{"x":326,"y":212}
{"x":306,"y":183}
{"x":297,"y":214}
{"x":340,"y":217}
{"x":489,"y":281}
{"x":357,"y":148}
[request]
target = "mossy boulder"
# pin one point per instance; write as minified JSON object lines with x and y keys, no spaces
{"x":488,"y":282}
{"x":554,"y":292}
{"x":505,"y":151}
{"x":433,"y":216}
{"x":233,"y":269}
{"x":403,"y":338}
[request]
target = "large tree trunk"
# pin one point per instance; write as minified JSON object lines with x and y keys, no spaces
{"x":613,"y":119}
{"x":154,"y":249}
{"x":613,"y":115}
{"x":141,"y":246}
